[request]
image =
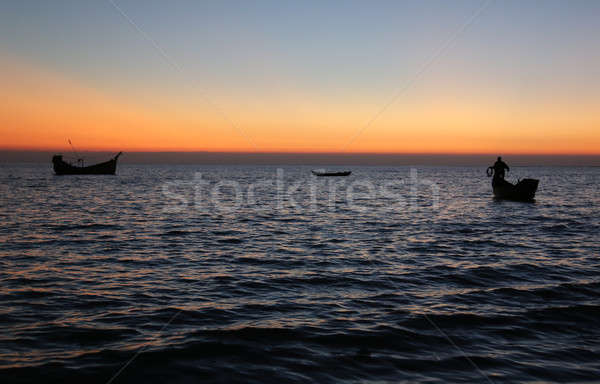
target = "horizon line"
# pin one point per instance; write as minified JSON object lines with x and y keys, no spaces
{"x":305,"y":158}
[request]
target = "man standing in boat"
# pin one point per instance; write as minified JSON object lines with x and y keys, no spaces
{"x":499,"y":167}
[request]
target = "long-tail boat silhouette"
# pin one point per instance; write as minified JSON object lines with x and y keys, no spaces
{"x":61,"y":167}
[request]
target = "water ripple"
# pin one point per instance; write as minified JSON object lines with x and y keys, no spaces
{"x":95,"y":269}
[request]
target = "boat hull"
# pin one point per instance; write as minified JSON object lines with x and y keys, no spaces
{"x":61,"y":167}
{"x":524,"y":190}
{"x":344,"y":173}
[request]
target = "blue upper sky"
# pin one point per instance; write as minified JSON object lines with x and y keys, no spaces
{"x":333,"y":46}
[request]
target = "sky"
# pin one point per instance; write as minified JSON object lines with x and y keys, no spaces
{"x":509,"y":77}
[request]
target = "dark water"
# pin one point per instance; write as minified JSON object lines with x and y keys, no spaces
{"x":109,"y":278}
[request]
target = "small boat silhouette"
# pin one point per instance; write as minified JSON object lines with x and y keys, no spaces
{"x":61,"y":167}
{"x":524,"y":190}
{"x":320,"y":172}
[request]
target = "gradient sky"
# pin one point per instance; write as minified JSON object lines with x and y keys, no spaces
{"x":523,"y":77}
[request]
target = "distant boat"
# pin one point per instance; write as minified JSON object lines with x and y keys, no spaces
{"x":61,"y":167}
{"x":321,"y":172}
{"x":524,"y":190}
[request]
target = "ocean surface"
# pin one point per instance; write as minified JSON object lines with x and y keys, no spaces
{"x":266,"y":274}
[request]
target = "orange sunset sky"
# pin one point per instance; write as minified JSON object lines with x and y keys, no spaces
{"x":301,"y":80}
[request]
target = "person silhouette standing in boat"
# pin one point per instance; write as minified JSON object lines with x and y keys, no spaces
{"x":499,"y":167}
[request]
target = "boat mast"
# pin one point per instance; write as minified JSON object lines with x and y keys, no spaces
{"x":79,"y":159}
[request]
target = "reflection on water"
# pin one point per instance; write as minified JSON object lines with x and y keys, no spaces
{"x":93,"y":268}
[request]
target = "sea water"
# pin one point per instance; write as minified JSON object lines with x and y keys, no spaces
{"x":268,"y":274}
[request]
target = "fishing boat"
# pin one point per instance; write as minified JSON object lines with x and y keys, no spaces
{"x":524,"y":190}
{"x":321,"y":172}
{"x":61,"y":167}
